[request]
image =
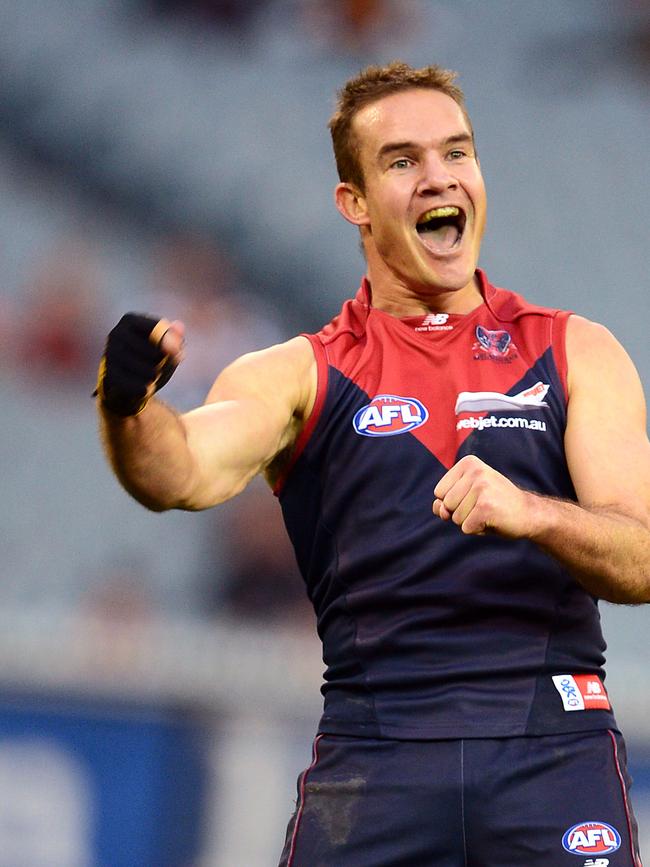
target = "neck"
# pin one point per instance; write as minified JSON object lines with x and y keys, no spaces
{"x":399,"y":298}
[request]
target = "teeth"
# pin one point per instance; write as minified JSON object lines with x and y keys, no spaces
{"x":447,"y":211}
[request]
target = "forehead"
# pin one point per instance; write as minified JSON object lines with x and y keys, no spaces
{"x":416,"y":115}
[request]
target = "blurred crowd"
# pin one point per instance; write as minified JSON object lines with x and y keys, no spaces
{"x":51,"y":337}
{"x":350,"y":25}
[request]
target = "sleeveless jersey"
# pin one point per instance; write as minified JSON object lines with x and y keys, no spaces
{"x":427,"y":632}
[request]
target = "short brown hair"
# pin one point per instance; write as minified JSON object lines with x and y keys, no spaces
{"x":371,"y":84}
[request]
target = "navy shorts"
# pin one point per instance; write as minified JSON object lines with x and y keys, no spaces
{"x":552,"y":801}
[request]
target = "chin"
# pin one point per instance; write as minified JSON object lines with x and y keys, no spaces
{"x":451,"y":278}
{"x":451,"y":273}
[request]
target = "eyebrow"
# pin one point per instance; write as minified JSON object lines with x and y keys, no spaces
{"x":391,"y":147}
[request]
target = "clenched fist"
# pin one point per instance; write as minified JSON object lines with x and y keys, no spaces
{"x":479,"y":500}
{"x":140,"y":356}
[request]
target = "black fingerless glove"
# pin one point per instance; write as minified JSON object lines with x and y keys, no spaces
{"x":133,"y":367}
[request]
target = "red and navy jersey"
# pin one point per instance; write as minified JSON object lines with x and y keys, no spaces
{"x":427,"y":632}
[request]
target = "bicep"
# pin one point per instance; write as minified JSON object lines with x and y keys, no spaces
{"x":253,"y":411}
{"x":606,"y":441}
{"x":231,"y":441}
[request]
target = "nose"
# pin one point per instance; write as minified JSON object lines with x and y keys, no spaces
{"x":436,"y":175}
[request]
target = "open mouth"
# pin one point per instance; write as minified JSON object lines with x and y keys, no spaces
{"x":441,"y":229}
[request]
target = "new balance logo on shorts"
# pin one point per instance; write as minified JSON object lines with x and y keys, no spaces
{"x":581,"y":692}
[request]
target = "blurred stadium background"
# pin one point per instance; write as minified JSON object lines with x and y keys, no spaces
{"x":158,"y":673}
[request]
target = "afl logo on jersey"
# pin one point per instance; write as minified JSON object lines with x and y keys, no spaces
{"x":388,"y":414}
{"x":591,"y":838}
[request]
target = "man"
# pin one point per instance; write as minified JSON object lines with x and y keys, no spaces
{"x":466,"y":721}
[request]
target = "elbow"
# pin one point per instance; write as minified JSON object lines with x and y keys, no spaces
{"x":149,"y":501}
{"x":148,"y":496}
{"x":155,"y":506}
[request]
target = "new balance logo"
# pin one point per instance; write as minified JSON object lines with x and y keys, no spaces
{"x":435,"y":319}
{"x":434,"y":322}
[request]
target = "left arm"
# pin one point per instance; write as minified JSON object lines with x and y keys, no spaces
{"x":604,"y":540}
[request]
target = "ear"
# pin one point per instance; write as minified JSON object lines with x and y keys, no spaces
{"x":351,"y":203}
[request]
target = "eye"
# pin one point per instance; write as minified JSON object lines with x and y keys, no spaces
{"x":456,"y":154}
{"x":401,"y":163}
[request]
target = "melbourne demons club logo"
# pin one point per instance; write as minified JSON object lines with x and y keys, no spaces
{"x":388,"y":415}
{"x":591,"y":838}
{"x":494,"y":346}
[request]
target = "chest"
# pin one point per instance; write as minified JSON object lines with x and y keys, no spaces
{"x":489,"y":391}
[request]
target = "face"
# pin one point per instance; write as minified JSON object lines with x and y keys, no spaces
{"x":422,"y":211}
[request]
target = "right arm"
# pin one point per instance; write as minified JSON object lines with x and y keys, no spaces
{"x":251,"y":417}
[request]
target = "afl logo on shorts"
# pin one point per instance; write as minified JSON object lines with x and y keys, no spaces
{"x":591,"y":838}
{"x":388,"y":414}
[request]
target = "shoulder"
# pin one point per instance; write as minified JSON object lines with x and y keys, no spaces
{"x":591,"y":343}
{"x":294,"y":352}
{"x":599,"y":366}
{"x":583,"y":333}
{"x":284,"y":373}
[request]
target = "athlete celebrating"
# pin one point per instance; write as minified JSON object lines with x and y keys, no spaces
{"x":457,"y":499}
